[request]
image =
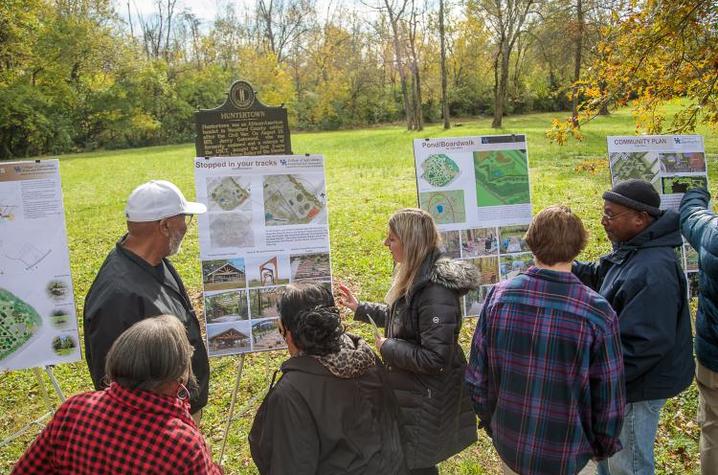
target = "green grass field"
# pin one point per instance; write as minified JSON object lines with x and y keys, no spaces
{"x":370,"y":174}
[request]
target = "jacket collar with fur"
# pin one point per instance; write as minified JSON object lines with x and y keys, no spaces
{"x":459,"y":276}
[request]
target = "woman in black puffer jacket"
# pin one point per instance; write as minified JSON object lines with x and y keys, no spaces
{"x":422,"y":319}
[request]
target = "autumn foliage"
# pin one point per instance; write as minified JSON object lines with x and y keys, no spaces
{"x":652,"y":52}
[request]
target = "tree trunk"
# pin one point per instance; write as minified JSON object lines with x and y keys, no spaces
{"x":500,"y":98}
{"x":496,"y":84}
{"x":444,"y":91}
{"x":415,"y":72}
{"x":577,"y":62}
{"x":418,"y":113}
{"x":129,"y":19}
{"x":398,"y":56}
{"x":604,"y":106}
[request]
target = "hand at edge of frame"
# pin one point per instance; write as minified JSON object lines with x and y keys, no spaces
{"x":379,"y":342}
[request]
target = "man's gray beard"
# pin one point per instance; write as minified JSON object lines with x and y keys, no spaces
{"x":175,"y":244}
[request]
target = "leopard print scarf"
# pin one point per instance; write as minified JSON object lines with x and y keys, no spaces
{"x":352,"y":360}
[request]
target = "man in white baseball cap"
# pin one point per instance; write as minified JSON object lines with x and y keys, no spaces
{"x":137,"y":281}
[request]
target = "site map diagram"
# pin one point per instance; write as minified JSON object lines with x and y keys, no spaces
{"x":228,"y":193}
{"x":439,"y":170}
{"x":288,"y":201}
{"x":502,"y":177}
{"x":641,"y":165}
{"x":19,"y":322}
{"x":446,"y":207}
{"x":27,"y":254}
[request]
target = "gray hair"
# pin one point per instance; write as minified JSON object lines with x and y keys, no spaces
{"x":151,"y":353}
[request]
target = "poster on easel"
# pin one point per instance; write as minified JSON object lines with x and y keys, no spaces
{"x":672,"y":164}
{"x":478,"y":191}
{"x":38,"y":324}
{"x":266,"y":227}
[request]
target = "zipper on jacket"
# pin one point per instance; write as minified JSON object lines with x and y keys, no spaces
{"x":424,"y":385}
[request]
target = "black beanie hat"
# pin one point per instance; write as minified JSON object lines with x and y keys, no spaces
{"x":635,"y":194}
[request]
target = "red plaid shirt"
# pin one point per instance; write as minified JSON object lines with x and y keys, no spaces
{"x":119,"y":431}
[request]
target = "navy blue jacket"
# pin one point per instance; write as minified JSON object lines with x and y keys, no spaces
{"x":645,"y":285}
{"x":700,"y":227}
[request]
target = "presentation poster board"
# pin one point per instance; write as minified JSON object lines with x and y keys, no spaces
{"x":266,"y":226}
{"x":38,"y":323}
{"x":478,"y":191}
{"x":672,"y":164}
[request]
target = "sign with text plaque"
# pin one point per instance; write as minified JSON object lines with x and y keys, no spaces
{"x":242,"y":126}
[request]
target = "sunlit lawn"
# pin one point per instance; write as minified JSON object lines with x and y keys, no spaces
{"x":370,"y":174}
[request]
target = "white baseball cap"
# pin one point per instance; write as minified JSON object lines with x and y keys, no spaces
{"x":159,"y":199}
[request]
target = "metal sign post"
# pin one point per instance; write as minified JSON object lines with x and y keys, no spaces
{"x":240,"y":368}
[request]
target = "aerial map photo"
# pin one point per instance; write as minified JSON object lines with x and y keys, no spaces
{"x":292,"y":199}
{"x":446,"y":207}
{"x":682,"y":162}
{"x":502,"y":177}
{"x":227,"y":193}
{"x":231,"y":230}
{"x":439,"y":170}
{"x":641,"y":165}
{"x":681,"y":184}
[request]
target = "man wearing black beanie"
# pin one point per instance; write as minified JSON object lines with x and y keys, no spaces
{"x":645,"y":284}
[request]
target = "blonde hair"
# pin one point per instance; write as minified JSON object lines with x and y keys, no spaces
{"x":419,"y":237}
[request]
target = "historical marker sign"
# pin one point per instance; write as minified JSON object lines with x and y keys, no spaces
{"x":242,"y":126}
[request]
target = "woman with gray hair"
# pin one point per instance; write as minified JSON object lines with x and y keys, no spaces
{"x":140,"y":424}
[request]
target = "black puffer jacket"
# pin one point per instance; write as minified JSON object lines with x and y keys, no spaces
{"x":329,"y":415}
{"x":425,"y":362}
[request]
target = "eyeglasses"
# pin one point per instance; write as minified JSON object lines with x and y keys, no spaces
{"x":614,"y":216}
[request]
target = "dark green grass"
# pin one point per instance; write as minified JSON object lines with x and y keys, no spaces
{"x":370,"y":174}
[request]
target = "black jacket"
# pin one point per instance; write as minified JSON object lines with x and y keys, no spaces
{"x":645,"y":285}
{"x":426,"y":363}
{"x":313,"y":422}
{"x":700,"y":227}
{"x":126,"y":290}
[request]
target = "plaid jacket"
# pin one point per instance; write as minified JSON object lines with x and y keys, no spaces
{"x":119,"y":431}
{"x":546,"y":373}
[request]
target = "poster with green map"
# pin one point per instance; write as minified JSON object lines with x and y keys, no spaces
{"x":38,"y":324}
{"x":19,"y":322}
{"x":502,"y":177}
{"x":478,"y":191}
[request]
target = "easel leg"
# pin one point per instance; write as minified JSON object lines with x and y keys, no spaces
{"x":55,"y":384}
{"x":43,"y":389}
{"x":267,"y":370}
{"x":240,"y":367}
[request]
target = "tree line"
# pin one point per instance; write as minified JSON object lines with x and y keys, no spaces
{"x":84,"y":74}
